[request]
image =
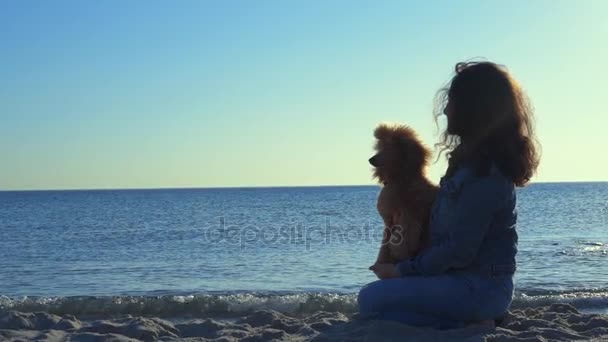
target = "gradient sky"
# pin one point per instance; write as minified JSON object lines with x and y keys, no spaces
{"x":132,"y":94}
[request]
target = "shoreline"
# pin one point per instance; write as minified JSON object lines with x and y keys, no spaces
{"x":235,"y":304}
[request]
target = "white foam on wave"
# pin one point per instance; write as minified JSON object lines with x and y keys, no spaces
{"x":585,"y":299}
{"x":240,"y":303}
{"x":175,"y":305}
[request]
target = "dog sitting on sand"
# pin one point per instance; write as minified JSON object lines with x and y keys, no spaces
{"x":405,"y":200}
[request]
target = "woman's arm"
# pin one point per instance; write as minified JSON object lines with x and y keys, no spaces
{"x":472,"y":215}
{"x":384,"y":255}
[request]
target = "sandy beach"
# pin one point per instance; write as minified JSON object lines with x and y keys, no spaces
{"x":557,"y":322}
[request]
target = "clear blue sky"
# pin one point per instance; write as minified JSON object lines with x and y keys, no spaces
{"x":131,"y":94}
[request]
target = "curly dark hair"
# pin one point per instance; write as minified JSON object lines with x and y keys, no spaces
{"x":490,"y":120}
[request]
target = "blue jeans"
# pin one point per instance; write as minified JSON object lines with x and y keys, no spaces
{"x":444,"y":301}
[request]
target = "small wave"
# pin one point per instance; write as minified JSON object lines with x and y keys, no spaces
{"x":590,"y":243}
{"x":581,"y":299}
{"x":233,"y":304}
{"x":585,"y":248}
{"x":184,"y":305}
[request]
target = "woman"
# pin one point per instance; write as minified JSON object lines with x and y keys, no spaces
{"x":466,"y":274}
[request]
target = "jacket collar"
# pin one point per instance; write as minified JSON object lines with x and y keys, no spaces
{"x":454,"y":183}
{"x":463,"y":174}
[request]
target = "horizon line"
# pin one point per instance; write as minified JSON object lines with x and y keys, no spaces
{"x":247,"y":187}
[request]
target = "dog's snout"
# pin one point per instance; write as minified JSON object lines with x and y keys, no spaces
{"x":374,"y":161}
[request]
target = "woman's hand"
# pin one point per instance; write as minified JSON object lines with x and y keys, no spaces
{"x":384,"y":271}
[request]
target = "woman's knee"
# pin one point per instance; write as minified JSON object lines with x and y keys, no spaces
{"x":363,"y":299}
{"x":370,"y":296}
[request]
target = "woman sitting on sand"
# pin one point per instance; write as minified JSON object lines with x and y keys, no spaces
{"x":466,"y":274}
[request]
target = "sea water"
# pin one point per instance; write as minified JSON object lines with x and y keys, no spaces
{"x":203,"y":251}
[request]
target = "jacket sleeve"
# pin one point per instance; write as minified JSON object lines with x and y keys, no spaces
{"x":470,"y":218}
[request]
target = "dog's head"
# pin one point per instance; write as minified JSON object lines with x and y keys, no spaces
{"x":400,"y":154}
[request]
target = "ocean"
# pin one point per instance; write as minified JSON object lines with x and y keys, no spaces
{"x":171,"y":252}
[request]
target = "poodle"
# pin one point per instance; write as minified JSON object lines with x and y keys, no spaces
{"x":406,"y":196}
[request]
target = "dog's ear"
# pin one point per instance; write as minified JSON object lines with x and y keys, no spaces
{"x":416,"y":151}
{"x":404,"y":137}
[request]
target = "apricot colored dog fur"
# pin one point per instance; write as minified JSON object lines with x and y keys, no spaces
{"x":405,"y":200}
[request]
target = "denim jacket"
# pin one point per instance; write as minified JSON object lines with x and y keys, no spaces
{"x":472,"y":227}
